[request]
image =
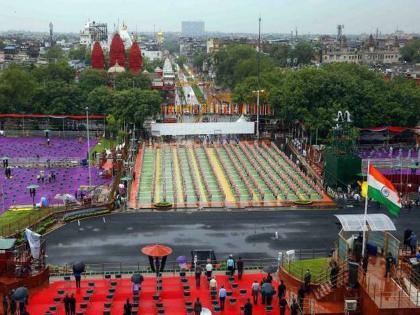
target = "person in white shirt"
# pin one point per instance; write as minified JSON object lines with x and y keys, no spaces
{"x":209,"y":269}
{"x":213,"y":284}
{"x":255,"y":289}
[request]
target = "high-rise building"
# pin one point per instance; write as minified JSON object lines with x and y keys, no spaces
{"x":193,"y":29}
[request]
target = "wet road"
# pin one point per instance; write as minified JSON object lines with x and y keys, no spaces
{"x":249,"y":234}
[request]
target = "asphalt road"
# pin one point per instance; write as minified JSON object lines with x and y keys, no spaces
{"x":250,"y":234}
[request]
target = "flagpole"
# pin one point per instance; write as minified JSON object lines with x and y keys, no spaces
{"x":365,"y":215}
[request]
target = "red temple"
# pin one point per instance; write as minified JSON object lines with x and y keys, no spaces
{"x":98,"y":59}
{"x":135,"y":60}
{"x":117,"y":51}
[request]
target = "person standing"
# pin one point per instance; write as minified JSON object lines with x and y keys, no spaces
{"x":281,"y":289}
{"x":197,"y":307}
{"x":255,"y":288}
{"x":307,"y":280}
{"x":72,"y":305}
{"x":66,"y":301}
{"x":333,"y":275}
{"x":77,"y":277}
{"x":240,"y":267}
{"x":301,"y":296}
{"x":294,"y":308}
{"x":5,"y":302}
{"x":209,"y":269}
{"x":12,"y":304}
{"x":388,"y":264}
{"x":230,"y":263}
{"x":248,"y":308}
{"x":222,"y":297}
{"x":213,"y":284}
{"x":197,"y":276}
{"x":283,"y":305}
{"x":269,"y":278}
{"x":127,"y":307}
{"x":413,"y":243}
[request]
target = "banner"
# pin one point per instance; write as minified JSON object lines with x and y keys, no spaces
{"x":34,"y":241}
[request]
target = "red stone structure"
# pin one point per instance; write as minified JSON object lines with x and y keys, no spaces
{"x":135,"y":62}
{"x":117,"y":52}
{"x":98,"y":59}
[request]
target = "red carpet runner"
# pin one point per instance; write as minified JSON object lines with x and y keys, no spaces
{"x":171,"y":296}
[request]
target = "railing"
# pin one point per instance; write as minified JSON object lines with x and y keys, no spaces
{"x":37,"y":218}
{"x":318,"y":276}
{"x":389,"y":163}
{"x":381,"y":296}
{"x":171,"y":267}
{"x":308,"y":306}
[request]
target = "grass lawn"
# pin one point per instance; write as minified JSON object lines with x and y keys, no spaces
{"x":103,"y":144}
{"x":197,"y":92}
{"x":318,"y":268}
{"x":10,"y":221}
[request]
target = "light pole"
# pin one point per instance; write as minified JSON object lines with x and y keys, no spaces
{"x":88,"y":144}
{"x":258,"y":111}
{"x":258,"y":78}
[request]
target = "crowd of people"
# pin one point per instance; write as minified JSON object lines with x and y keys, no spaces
{"x":14,"y":306}
{"x":262,"y":292}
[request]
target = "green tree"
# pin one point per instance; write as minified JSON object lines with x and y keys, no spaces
{"x":303,"y":53}
{"x":54,"y":71}
{"x":280,"y":53}
{"x":55,"y":53}
{"x":17,"y":87}
{"x":237,"y":62}
{"x":100,"y":100}
{"x":58,"y":97}
{"x":150,"y":65}
{"x":135,"y":105}
{"x":411,"y":51}
{"x":127,"y":80}
{"x":78,"y":53}
{"x":91,"y":79}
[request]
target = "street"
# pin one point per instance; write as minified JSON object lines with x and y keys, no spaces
{"x":250,"y":234}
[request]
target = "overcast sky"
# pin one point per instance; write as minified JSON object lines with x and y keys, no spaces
{"x":309,"y":16}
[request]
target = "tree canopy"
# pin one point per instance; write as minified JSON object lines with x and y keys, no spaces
{"x":314,"y":95}
{"x":411,"y":51}
{"x":52,"y":89}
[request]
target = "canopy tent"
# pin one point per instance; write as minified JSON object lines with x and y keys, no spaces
{"x":375,"y":221}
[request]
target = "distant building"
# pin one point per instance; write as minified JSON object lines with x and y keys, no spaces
{"x":370,"y":52}
{"x":213,"y":45}
{"x":92,"y":32}
{"x":193,"y":29}
{"x":190,"y":46}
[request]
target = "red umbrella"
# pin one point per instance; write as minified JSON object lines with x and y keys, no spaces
{"x":156,"y":250}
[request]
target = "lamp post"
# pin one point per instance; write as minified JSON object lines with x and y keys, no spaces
{"x":258,"y":111}
{"x":88,"y":144}
{"x":258,"y":78}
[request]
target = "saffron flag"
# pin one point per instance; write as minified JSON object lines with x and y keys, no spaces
{"x":383,"y":191}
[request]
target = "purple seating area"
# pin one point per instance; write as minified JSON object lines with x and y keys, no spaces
{"x":13,"y":191}
{"x":68,"y":180}
{"x":386,"y":153}
{"x":31,"y":147}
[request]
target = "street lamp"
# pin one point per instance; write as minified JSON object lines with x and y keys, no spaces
{"x":88,"y":144}
{"x":258,"y":111}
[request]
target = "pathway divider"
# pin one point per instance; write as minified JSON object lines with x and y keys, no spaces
{"x":220,"y":175}
{"x":178,"y":177}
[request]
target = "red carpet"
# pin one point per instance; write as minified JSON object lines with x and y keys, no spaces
{"x":171,"y":296}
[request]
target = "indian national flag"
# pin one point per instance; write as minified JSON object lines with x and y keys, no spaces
{"x":383,"y":191}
